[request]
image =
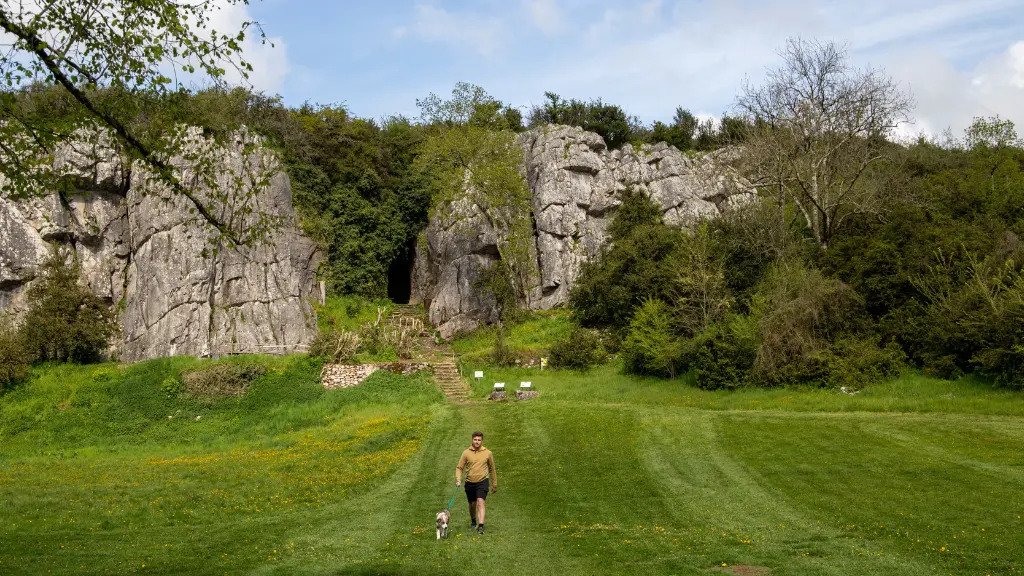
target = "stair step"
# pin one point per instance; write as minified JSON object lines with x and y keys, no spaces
{"x":449,"y":379}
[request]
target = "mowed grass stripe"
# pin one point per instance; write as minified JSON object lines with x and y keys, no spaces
{"x":736,"y":517}
{"x":902,"y":483}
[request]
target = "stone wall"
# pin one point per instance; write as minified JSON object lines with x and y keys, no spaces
{"x":334,"y":376}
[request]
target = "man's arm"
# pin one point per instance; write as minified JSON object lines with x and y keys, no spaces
{"x":458,"y":469}
{"x":493,"y":471}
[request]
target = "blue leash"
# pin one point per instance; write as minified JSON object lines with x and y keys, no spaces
{"x":452,"y":501}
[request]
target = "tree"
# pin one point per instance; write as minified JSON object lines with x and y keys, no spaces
{"x":110,"y":58}
{"x":66,"y":322}
{"x":680,"y":133}
{"x":818,"y":128}
{"x":608,"y":120}
{"x":473,"y":160}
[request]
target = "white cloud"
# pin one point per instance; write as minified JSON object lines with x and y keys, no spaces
{"x":270,"y":64}
{"x":269,"y":60}
{"x":651,"y":59}
{"x":649,"y":10}
{"x":545,"y":15}
{"x":903,"y":23}
{"x":480,"y":34}
{"x":696,"y":58}
{"x":952,"y":98}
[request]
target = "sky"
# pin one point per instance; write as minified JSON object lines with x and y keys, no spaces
{"x":957,"y":59}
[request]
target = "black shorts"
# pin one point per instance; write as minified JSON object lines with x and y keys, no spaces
{"x":476,"y":490}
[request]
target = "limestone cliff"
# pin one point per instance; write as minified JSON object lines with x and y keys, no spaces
{"x":145,"y":252}
{"x":575,"y":183}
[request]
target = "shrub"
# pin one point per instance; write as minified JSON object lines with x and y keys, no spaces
{"x":638,"y":264}
{"x":974,"y":318}
{"x":65,"y":322}
{"x":854,"y":363}
{"x":502,"y":355}
{"x":403,"y":335}
{"x":651,"y":345}
{"x":353,"y":308}
{"x":800,"y":314}
{"x":171,"y":386}
{"x":13,"y":357}
{"x":698,"y":291}
{"x":723,"y":355}
{"x":580,"y":350}
{"x":335,"y":345}
{"x":222,"y":379}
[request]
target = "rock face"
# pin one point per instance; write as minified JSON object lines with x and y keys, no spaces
{"x":141,"y":249}
{"x":575,"y":183}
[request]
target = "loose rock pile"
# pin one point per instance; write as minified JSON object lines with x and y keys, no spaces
{"x":520,"y":395}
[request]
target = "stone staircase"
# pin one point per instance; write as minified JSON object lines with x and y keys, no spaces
{"x":447,"y":376}
{"x":426,"y":349}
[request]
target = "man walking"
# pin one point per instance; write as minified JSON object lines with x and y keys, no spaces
{"x":479,"y":464}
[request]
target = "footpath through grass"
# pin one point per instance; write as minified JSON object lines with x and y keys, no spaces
{"x":601,"y":474}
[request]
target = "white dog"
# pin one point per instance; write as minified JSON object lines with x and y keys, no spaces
{"x":442,"y":524}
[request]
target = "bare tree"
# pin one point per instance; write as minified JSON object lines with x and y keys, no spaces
{"x":820,"y":127}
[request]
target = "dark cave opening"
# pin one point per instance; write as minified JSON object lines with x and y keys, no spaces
{"x":400,"y":274}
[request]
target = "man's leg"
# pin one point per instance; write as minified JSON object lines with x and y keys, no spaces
{"x":480,"y":510}
{"x":472,"y":512}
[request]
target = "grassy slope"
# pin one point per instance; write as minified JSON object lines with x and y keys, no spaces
{"x":602,"y":473}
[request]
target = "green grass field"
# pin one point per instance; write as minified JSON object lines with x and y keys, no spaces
{"x":602,"y":474}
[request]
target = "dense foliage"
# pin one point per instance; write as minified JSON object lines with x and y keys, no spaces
{"x":65,"y":321}
{"x":617,"y":127}
{"x":14,"y":360}
{"x":357,"y":193}
{"x":579,"y":350}
{"x":755,"y":299}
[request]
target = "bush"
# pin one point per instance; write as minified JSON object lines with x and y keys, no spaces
{"x":335,"y":346}
{"x":723,"y":356}
{"x":800,"y":313}
{"x":854,"y":363}
{"x":651,"y":345}
{"x":638,"y":264}
{"x":580,"y":350}
{"x":65,"y":322}
{"x":171,"y":386}
{"x":13,"y":357}
{"x":502,"y":355}
{"x":222,"y":379}
{"x":609,"y":121}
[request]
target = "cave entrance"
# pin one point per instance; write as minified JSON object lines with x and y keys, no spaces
{"x":400,"y":274}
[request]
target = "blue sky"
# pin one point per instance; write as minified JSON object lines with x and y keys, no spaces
{"x":959,"y":59}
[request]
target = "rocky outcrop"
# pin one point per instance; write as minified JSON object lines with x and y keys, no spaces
{"x":147,"y":253}
{"x":575,"y":183}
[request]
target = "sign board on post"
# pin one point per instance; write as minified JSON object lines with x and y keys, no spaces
{"x":543,"y":363}
{"x":499,"y":386}
{"x":526,"y":385}
{"x":478,"y":374}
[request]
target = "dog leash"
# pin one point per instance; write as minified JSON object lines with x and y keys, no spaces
{"x":452,"y":501}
